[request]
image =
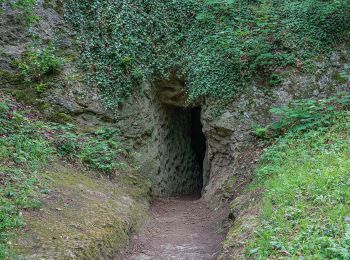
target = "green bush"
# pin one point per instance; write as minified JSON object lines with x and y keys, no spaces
{"x":305,"y":115}
{"x":38,"y":62}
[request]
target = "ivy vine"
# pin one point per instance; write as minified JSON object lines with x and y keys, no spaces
{"x":217,"y":46}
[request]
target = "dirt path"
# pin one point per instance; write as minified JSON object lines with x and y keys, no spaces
{"x":181,"y":229}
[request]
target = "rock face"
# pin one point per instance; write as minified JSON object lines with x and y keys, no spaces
{"x":159,"y":127}
{"x":65,"y":91}
{"x":152,"y":129}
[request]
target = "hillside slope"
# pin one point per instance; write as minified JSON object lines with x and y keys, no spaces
{"x":298,"y":203}
{"x":65,"y":191}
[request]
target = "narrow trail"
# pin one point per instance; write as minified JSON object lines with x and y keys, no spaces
{"x":179,"y":228}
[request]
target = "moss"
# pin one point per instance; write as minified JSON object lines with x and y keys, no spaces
{"x":60,"y":117}
{"x":12,"y":78}
{"x":70,"y":57}
{"x":246,"y":209}
{"x":339,"y":78}
{"x":27,"y":96}
{"x":44,"y":106}
{"x":84,"y":216}
{"x":228,"y":186}
{"x":108,"y":119}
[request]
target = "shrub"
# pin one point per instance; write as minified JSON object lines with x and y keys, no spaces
{"x":304,"y":115}
{"x":38,"y":62}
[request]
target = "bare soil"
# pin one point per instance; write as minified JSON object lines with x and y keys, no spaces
{"x":179,"y":228}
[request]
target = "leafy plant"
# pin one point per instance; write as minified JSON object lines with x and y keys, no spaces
{"x":100,"y":149}
{"x":25,"y":6}
{"x":259,"y":131}
{"x":28,"y":144}
{"x":38,"y":62}
{"x":102,"y":155}
{"x":218,"y":47}
{"x":305,"y":115}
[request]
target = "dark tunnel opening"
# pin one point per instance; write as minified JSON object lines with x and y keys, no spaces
{"x":181,"y":147}
{"x":198,"y":141}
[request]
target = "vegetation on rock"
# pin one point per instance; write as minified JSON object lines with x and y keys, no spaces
{"x":26,"y":7}
{"x":38,"y":62}
{"x":218,"y":47}
{"x":28,"y":143}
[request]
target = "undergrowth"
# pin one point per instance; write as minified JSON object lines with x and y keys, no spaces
{"x":28,"y":143}
{"x":305,"y":175}
{"x":38,"y":62}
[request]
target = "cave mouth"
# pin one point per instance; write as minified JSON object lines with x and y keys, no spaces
{"x":198,"y":142}
{"x":182,"y":151}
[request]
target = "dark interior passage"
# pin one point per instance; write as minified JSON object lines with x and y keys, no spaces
{"x":198,"y":141}
{"x":182,"y":147}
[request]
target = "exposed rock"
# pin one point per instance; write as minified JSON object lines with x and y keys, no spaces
{"x":155,"y":121}
{"x":67,"y":93}
{"x":83,"y":217}
{"x":228,"y":135}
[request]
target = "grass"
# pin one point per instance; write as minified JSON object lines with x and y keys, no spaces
{"x":28,"y":143}
{"x":306,"y":205}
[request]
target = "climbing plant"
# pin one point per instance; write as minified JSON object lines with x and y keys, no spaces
{"x":217,"y":46}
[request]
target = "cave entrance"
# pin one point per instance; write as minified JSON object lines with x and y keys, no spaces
{"x":198,"y":141}
{"x":182,"y":151}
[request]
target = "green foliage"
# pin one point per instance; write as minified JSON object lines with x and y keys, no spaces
{"x":306,"y":201}
{"x":217,"y":46}
{"x":305,"y":115}
{"x":22,"y":151}
{"x":100,"y":150}
{"x":260,"y":132}
{"x":20,"y":142}
{"x":27,"y":145}
{"x":67,"y":144}
{"x":340,"y":78}
{"x":26,"y":7}
{"x":41,"y":87}
{"x":38,"y":62}
{"x":18,"y":191}
{"x":101,"y":155}
{"x":60,"y":117}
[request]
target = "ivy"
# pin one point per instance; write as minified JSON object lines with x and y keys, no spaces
{"x":218,"y":47}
